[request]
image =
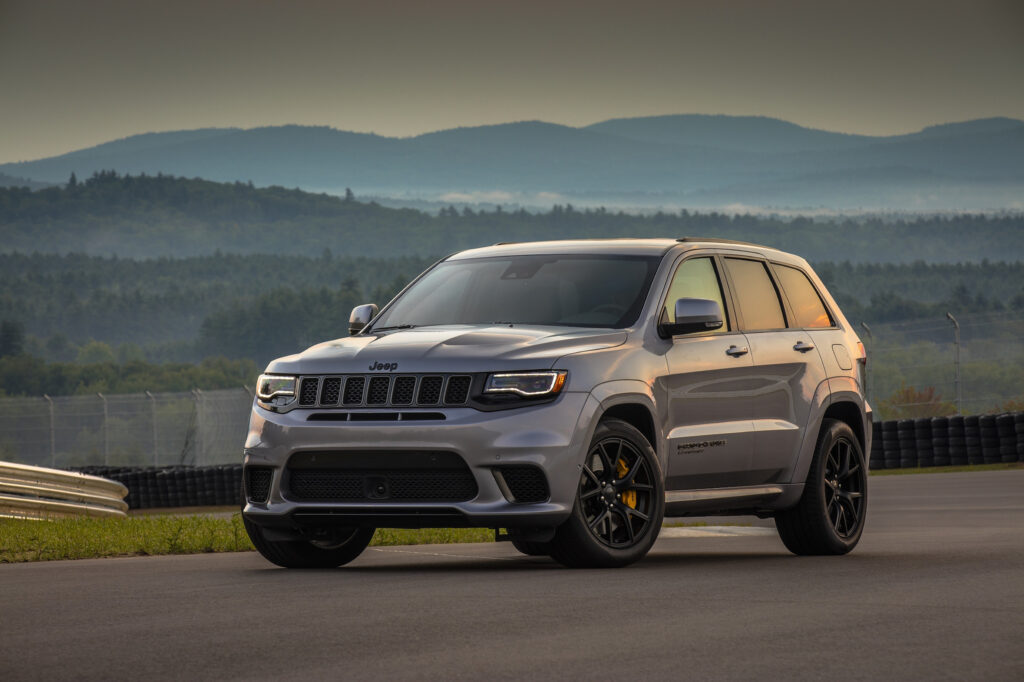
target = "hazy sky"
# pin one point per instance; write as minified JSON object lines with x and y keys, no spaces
{"x":79,"y":72}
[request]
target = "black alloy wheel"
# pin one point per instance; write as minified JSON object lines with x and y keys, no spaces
{"x":615,"y":492}
{"x":829,"y":518}
{"x":619,"y":502}
{"x":845,"y":483}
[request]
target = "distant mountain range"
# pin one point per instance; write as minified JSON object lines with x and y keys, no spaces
{"x":672,"y":161}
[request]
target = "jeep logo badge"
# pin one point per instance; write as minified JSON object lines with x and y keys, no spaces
{"x":384,"y":367}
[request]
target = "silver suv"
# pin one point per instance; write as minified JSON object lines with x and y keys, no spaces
{"x":572,"y":393}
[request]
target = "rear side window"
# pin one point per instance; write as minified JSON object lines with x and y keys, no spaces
{"x":807,"y":307}
{"x":755,"y":293}
{"x":695,"y":278}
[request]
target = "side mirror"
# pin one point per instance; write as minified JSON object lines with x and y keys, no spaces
{"x":360,"y":317}
{"x":693,"y":315}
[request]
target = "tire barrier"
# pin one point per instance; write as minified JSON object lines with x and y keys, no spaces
{"x":948,"y":441}
{"x":906,"y":443}
{"x":178,"y":486}
{"x":30,"y":492}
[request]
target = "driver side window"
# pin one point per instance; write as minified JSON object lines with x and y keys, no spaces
{"x":695,"y":278}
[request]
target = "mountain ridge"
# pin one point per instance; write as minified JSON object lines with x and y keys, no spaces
{"x":678,"y":158}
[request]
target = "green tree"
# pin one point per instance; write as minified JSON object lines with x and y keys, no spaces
{"x":95,"y":352}
{"x":12,"y":338}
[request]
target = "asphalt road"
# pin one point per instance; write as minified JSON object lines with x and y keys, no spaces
{"x":934,"y":591}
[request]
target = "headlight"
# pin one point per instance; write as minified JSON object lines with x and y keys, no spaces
{"x":526,"y":384}
{"x":271,"y":386}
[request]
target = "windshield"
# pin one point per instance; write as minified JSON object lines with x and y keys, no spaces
{"x":560,"y":290}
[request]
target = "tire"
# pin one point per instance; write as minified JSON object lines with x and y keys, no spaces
{"x":608,"y":527}
{"x":819,"y":524}
{"x":530,"y":548}
{"x":307,"y":554}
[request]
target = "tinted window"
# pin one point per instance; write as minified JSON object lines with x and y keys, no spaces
{"x":695,"y":278}
{"x":756,"y":296}
{"x":576,"y":291}
{"x":807,"y":307}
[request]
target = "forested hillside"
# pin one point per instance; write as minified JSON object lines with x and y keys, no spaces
{"x":261,"y":306}
{"x":154,"y":216}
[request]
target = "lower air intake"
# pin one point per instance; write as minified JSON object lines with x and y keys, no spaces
{"x":526,"y":483}
{"x":257,"y":484}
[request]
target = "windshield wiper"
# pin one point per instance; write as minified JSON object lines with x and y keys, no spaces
{"x":395,"y":326}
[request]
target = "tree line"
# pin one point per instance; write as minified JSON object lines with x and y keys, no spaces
{"x":152,"y":216}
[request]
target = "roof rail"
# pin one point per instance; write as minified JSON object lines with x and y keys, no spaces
{"x":714,"y":240}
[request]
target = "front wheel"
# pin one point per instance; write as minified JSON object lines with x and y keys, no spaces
{"x":342,"y":548}
{"x":620,"y":502}
{"x":829,"y":518}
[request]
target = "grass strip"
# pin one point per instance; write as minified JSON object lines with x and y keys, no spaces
{"x":22,"y":540}
{"x":1001,"y":466}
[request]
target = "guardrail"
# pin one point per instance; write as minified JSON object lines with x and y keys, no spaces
{"x":37,"y":493}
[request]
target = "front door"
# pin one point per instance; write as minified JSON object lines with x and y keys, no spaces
{"x":708,"y":388}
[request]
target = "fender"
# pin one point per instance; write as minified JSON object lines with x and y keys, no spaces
{"x":833,"y":390}
{"x":819,"y":404}
{"x":629,"y":391}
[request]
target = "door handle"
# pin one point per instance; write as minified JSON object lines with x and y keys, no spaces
{"x":803,"y":347}
{"x":736,"y":351}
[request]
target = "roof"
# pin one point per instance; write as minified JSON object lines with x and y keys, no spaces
{"x":626,"y":246}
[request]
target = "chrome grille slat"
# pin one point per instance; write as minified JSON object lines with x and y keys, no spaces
{"x":384,"y":390}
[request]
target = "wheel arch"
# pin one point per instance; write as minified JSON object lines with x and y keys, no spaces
{"x":632,"y":402}
{"x":837,"y":398}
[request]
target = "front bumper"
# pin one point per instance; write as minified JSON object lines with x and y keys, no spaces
{"x":552,"y":437}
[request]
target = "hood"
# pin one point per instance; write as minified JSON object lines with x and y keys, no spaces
{"x":450,"y":348}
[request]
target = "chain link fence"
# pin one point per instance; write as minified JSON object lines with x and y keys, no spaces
{"x":932,"y":368}
{"x":913,"y":371}
{"x":196,"y":428}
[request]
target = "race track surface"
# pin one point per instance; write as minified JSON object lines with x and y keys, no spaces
{"x":934,"y":591}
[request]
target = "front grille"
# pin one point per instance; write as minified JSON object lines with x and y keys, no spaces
{"x":384,"y":390}
{"x":354,"y":390}
{"x":457,"y":390}
{"x":430,"y":390}
{"x":378,"y":391}
{"x":403,"y":391}
{"x":526,"y":483}
{"x":397,"y":485}
{"x":307,"y":391}
{"x":257,"y":484}
{"x":330,"y":391}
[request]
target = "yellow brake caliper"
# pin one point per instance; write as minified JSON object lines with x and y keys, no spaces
{"x":628,"y":496}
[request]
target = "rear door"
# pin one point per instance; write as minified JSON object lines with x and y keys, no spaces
{"x":708,"y":389}
{"x":787,"y":366}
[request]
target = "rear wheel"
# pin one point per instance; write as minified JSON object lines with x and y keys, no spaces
{"x":344,"y":546}
{"x":829,"y":518}
{"x":620,"y":502}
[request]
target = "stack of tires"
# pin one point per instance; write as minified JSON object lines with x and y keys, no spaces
{"x":957,"y":442}
{"x":923,"y":442}
{"x":1018,"y":427}
{"x":940,"y":441}
{"x":972,"y":439}
{"x":908,"y":443}
{"x":890,"y":445}
{"x":179,"y":486}
{"x":877,"y":458}
{"x":989,"y":439}
{"x":1007,"y":438}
